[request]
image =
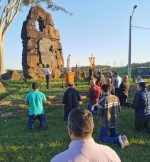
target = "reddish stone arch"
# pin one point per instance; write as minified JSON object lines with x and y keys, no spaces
{"x":40,"y":46}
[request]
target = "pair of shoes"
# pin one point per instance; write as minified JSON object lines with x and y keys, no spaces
{"x":125,"y":140}
{"x":122,"y":144}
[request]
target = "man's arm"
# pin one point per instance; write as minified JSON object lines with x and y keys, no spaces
{"x":136,"y":100}
{"x":64,"y":98}
{"x":79,"y":97}
{"x":44,"y":99}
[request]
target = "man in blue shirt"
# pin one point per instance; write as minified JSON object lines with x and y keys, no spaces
{"x":35,"y":100}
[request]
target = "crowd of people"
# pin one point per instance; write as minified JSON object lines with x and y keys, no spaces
{"x":106,"y":97}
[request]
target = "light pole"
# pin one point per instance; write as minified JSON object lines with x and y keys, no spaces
{"x":130,"y":28}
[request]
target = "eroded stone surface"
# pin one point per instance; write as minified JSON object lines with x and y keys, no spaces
{"x":2,"y":88}
{"x":11,"y":74}
{"x":41,"y":44}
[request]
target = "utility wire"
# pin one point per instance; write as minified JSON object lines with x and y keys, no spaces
{"x":140,"y":27}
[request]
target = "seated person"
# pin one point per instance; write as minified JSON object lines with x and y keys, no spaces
{"x":35,"y":100}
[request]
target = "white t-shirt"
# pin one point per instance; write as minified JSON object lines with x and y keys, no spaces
{"x":47,"y":71}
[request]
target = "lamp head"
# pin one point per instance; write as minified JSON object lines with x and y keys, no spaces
{"x":135,"y":6}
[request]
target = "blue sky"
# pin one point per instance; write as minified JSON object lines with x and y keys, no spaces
{"x":98,"y":27}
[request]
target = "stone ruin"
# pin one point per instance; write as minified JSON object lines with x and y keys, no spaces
{"x":41,"y":45}
{"x":2,"y":88}
{"x":11,"y":74}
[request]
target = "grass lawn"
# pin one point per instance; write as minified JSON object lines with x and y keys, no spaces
{"x":17,"y":144}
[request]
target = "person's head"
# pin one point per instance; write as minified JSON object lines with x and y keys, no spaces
{"x":105,"y":88}
{"x":47,"y":65}
{"x":35,"y":86}
{"x":125,"y":78}
{"x":108,"y":81}
{"x":80,"y":124}
{"x":115,"y":74}
{"x":143,"y":85}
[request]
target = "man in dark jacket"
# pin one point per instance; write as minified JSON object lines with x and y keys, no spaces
{"x":71,"y":100}
{"x":141,"y":103}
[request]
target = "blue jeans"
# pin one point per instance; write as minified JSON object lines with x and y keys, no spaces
{"x":109,"y":135}
{"x":41,"y":118}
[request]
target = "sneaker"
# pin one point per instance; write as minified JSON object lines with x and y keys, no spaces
{"x":125,"y":140}
{"x":122,"y":144}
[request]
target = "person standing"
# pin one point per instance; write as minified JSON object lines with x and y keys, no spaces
{"x":35,"y":100}
{"x":110,"y":107}
{"x":71,"y":100}
{"x":117,"y":82}
{"x":82,"y":147}
{"x":123,"y":90}
{"x":141,"y":104}
{"x":48,"y":73}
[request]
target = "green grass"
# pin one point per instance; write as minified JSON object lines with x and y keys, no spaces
{"x":17,"y":144}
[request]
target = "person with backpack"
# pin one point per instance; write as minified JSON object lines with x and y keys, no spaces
{"x":93,"y":95}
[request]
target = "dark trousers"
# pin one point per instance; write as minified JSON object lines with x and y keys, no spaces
{"x":123,"y":99}
{"x":116,"y":91}
{"x":47,"y":81}
{"x":41,"y":118}
{"x":142,"y":124}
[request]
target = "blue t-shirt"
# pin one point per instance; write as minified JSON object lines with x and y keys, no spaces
{"x":35,"y":101}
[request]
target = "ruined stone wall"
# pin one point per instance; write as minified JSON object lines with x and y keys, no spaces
{"x":41,"y":44}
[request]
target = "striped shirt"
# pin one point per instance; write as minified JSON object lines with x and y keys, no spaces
{"x":110,"y":106}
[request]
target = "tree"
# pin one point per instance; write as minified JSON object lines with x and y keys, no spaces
{"x":9,"y":10}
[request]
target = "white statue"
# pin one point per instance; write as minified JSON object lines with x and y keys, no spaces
{"x":68,"y":63}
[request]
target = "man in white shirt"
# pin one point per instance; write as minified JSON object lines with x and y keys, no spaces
{"x":117,"y":82}
{"x":47,"y":75}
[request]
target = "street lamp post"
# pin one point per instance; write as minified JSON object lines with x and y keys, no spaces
{"x":130,"y":28}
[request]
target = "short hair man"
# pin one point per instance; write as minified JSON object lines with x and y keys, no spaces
{"x":83,"y":147}
{"x":141,"y":103}
{"x":110,"y":107}
{"x":35,"y":100}
{"x":71,"y":100}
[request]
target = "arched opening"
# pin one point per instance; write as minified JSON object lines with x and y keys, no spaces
{"x":40,"y":24}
